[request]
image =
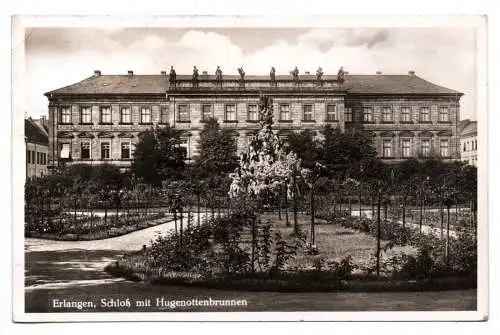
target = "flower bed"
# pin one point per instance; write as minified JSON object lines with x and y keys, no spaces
{"x":220,"y":254}
{"x":68,"y":227}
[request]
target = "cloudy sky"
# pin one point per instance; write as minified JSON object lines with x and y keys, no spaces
{"x":57,"y":57}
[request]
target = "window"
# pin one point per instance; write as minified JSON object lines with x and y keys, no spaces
{"x":85,"y":115}
{"x":425,"y":115}
{"x":125,"y":115}
{"x":145,"y":115}
{"x":367,"y":115}
{"x":85,"y":150}
{"x":38,"y":158}
{"x":105,"y":150}
{"x":348,"y":115}
{"x":465,"y":148}
{"x":425,"y":147}
{"x":28,"y":156}
{"x":33,"y":161}
{"x":387,"y":148}
{"x":183,"y":113}
{"x":125,"y":150}
{"x":307,"y":113}
{"x":185,"y":144}
{"x":164,"y":115}
{"x":444,"y":115}
{"x":285,"y":112}
{"x":331,"y":113}
{"x":406,"y":147}
{"x":405,"y":114}
{"x":206,"y":112}
{"x":443,"y":148}
{"x":230,"y":112}
{"x":65,"y":151}
{"x":386,"y":114}
{"x":65,"y":115}
{"x":44,"y":159}
{"x":106,"y":115}
{"x":475,"y":144}
{"x":253,"y":114}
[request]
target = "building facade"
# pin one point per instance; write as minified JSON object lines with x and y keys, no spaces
{"x":98,"y":119}
{"x":37,"y":147}
{"x":468,"y":142}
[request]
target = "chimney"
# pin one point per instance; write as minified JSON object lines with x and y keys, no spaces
{"x":378,"y":72}
{"x":97,"y":72}
{"x":130,"y":72}
{"x":411,"y":73}
{"x":44,"y":122}
{"x":163,"y":73}
{"x":307,"y":73}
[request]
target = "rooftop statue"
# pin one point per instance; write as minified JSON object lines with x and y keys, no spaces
{"x":241,"y":72}
{"x":319,"y":74}
{"x":341,"y":75}
{"x":272,"y":74}
{"x":173,"y":75}
{"x":195,"y":76}
{"x":218,"y":73}
{"x":295,"y":74}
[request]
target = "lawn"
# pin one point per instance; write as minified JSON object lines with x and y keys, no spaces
{"x":334,"y":242}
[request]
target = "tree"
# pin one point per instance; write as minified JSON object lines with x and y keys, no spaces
{"x":158,"y":155}
{"x":345,"y":154}
{"x":217,"y":150}
{"x":106,"y":180}
{"x":305,"y":147}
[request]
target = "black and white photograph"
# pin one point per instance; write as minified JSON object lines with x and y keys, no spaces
{"x":202,"y":167}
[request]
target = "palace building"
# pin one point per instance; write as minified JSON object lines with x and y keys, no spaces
{"x":99,"y":118}
{"x":36,"y":138}
{"x":468,"y":141}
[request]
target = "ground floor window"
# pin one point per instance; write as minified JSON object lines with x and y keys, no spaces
{"x":348,"y":115}
{"x":64,"y":153}
{"x":126,"y":150}
{"x":86,"y":150}
{"x":206,"y":112}
{"x":105,"y":150}
{"x":387,"y":148}
{"x":284,"y":112}
{"x":406,"y":147}
{"x":253,"y":114}
{"x":425,"y":147}
{"x":444,"y":148}
{"x":307,"y":113}
{"x":231,"y":112}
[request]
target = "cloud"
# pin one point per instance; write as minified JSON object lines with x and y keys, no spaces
{"x":59,"y":57}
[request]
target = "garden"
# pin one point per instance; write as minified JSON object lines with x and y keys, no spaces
{"x":307,"y":214}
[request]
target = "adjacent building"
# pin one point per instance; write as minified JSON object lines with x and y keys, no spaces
{"x":37,"y":147}
{"x":98,"y":119}
{"x":468,"y":141}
